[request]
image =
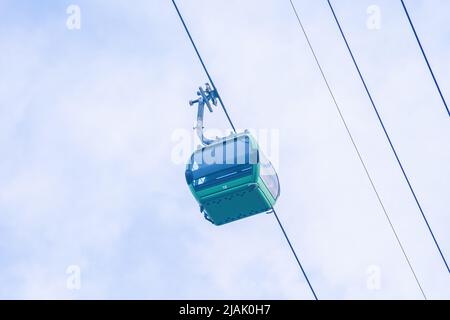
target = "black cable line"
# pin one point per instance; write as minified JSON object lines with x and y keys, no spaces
{"x":355,"y":146}
{"x":388,"y":137}
{"x":231,"y":123}
{"x":295,"y":254}
{"x":203,"y":65}
{"x":425,"y":57}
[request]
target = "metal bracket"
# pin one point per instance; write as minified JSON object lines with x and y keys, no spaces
{"x":206,"y":96}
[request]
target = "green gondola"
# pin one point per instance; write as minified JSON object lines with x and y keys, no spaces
{"x":230,"y":177}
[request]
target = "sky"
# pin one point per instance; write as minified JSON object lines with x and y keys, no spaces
{"x":93,"y":199}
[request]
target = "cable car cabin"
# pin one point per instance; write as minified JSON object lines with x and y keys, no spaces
{"x":231,"y":179}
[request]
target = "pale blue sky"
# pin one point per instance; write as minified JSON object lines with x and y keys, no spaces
{"x":86,"y":124}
